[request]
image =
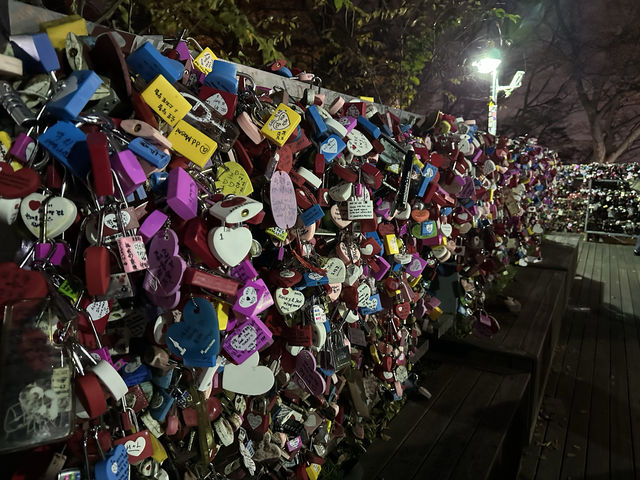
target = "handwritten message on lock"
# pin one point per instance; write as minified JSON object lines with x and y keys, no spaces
{"x":233,"y":180}
{"x":283,"y":200}
{"x":246,"y":339}
{"x":165,"y":100}
{"x":192,"y":143}
{"x":133,"y":253}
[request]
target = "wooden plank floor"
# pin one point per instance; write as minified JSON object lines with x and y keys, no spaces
{"x":589,"y":424}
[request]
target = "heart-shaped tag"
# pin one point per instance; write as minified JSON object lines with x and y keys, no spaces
{"x":348,"y":253}
{"x":19,"y":183}
{"x":197,"y":337}
{"x":338,"y":215}
{"x":230,"y":245}
{"x":283,"y":200}
{"x":354,"y":272}
{"x":61,"y":214}
{"x":166,"y":267}
{"x":115,"y":466}
{"x":306,"y":376}
{"x":358,"y":144}
{"x":248,"y":378}
{"x":364,"y":292}
{"x":288,"y":300}
{"x":9,"y":209}
{"x":232,"y":179}
{"x":336,"y":270}
{"x":17,"y":283}
{"x":446,"y":229}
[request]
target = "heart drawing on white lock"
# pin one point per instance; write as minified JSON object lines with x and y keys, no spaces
{"x":61,"y":213}
{"x":289,"y":300}
{"x":249,"y":297}
{"x":246,"y":339}
{"x":218,"y":104}
{"x":280,"y":121}
{"x":135,"y":448}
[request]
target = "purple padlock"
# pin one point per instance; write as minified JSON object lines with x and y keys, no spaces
{"x":23,"y":147}
{"x":129,"y":171}
{"x":246,"y":338}
{"x":383,"y":268}
{"x":151,"y":225}
{"x":244,"y":271}
{"x":43,"y":250}
{"x":416,"y":266}
{"x":182,"y":194}
{"x":252,"y":299}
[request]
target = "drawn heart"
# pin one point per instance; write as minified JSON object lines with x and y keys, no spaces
{"x":446,"y":229}
{"x":330,"y":146}
{"x":61,"y":214}
{"x":254,"y":420}
{"x":230,"y":245}
{"x":280,"y":120}
{"x":288,"y":300}
{"x":248,"y":298}
{"x":246,"y":340}
{"x":197,"y":337}
{"x":336,"y":270}
{"x":166,"y":267}
{"x":9,"y":210}
{"x":19,"y":183}
{"x":306,"y":376}
{"x":16,"y":283}
{"x":218,"y":104}
{"x":135,"y":448}
{"x":248,"y":378}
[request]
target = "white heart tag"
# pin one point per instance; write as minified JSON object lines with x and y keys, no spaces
{"x":248,"y":378}
{"x":330,"y":146}
{"x":254,"y":420}
{"x":446,"y":229}
{"x":354,"y":272}
{"x":336,"y":270}
{"x":358,"y":144}
{"x":135,"y":448}
{"x":218,"y":104}
{"x":230,"y":245}
{"x":364,"y":292}
{"x":61,"y":214}
{"x":289,"y":300}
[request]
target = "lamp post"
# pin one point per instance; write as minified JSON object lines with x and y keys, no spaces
{"x":489,"y":63}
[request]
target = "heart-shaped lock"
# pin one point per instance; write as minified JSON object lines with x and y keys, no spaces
{"x":288,"y":300}
{"x":306,"y":376}
{"x":17,"y":283}
{"x":197,"y":337}
{"x":115,"y":466}
{"x":336,"y":270}
{"x":230,"y":245}
{"x":338,"y":214}
{"x":166,"y":267}
{"x":9,"y":210}
{"x":61,"y":213}
{"x":283,"y":200}
{"x":248,"y":378}
{"x":353,"y":273}
{"x":232,"y":179}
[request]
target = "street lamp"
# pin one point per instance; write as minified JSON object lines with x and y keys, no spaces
{"x":489,"y":63}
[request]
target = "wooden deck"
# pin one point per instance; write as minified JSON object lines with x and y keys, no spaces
{"x":589,"y":423}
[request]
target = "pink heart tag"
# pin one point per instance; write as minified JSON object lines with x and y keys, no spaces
{"x":306,"y":376}
{"x":166,"y":267}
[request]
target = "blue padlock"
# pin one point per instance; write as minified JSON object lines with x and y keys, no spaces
{"x":162,"y":381}
{"x":115,"y":466}
{"x":78,"y":89}
{"x":312,"y":215}
{"x":160,"y":404}
{"x":313,"y":279}
{"x":386,"y":130}
{"x":284,"y":72}
{"x":149,"y":152}
{"x":158,"y":181}
{"x":67,"y":143}
{"x":331,"y":147}
{"x":315,"y":121}
{"x":223,"y":77}
{"x":374,"y":305}
{"x":135,"y":373}
{"x":36,"y":52}
{"x":368,"y":126}
{"x":149,"y":63}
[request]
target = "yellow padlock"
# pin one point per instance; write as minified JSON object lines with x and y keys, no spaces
{"x":192,"y":143}
{"x":281,"y":124}
{"x":5,"y":144}
{"x":57,"y":29}
{"x":165,"y":100}
{"x":159,"y":452}
{"x":204,"y":60}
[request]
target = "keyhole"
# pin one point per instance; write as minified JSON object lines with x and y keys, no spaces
{"x":138,"y":127}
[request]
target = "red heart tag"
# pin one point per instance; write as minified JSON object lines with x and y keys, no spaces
{"x":18,"y":184}
{"x":17,"y":283}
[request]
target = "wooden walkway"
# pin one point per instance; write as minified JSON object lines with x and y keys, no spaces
{"x":589,"y":423}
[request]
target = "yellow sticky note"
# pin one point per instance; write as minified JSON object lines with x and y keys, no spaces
{"x":57,"y":29}
{"x":391,"y":244}
{"x":232,"y":179}
{"x":204,"y":61}
{"x":222,"y":310}
{"x":165,"y":100}
{"x":281,"y":124}
{"x":192,"y":143}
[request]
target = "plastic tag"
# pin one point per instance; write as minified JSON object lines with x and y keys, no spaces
{"x":192,"y":143}
{"x":165,"y":100}
{"x":133,"y":253}
{"x":281,"y":124}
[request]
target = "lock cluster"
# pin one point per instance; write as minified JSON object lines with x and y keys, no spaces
{"x":212,"y":276}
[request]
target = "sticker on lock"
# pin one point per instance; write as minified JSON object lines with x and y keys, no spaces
{"x":192,"y":143}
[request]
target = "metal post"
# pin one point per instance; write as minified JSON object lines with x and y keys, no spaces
{"x":493,"y":104}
